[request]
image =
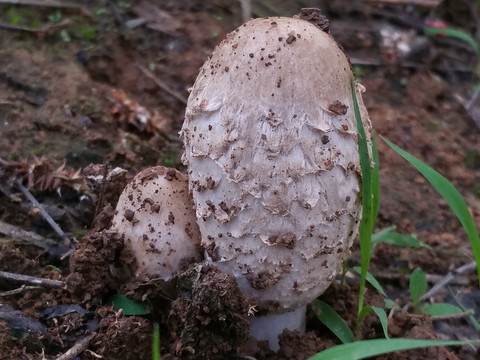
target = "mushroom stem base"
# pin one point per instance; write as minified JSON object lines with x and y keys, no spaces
{"x":268,"y":327}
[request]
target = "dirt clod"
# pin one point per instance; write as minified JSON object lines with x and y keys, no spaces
{"x":210,"y":318}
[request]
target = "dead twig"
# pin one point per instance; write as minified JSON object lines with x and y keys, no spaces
{"x":41,"y":31}
{"x":424,"y":3}
{"x":452,"y":316}
{"x":19,"y":290}
{"x":26,"y":236}
{"x":162,"y":85}
{"x":33,"y":280}
{"x":431,"y":278}
{"x":45,"y":215}
{"x":246,"y":6}
{"x":447,"y":279}
{"x":473,"y":100}
{"x":78,"y":348}
{"x":49,"y":3}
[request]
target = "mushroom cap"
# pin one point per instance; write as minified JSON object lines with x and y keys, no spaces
{"x":271,"y":148}
{"x":156,"y":216}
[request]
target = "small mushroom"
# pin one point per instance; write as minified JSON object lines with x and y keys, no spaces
{"x":271,"y":148}
{"x":156,"y":216}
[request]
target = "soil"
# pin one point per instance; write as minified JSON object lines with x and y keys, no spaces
{"x":89,"y":89}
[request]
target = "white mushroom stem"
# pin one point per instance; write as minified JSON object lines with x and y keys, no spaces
{"x":269,"y":327}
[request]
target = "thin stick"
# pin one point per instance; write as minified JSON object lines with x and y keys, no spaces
{"x":473,"y":100}
{"x":246,"y":6}
{"x":49,"y":3}
{"x":27,"y":236}
{"x":452,"y":316}
{"x":424,"y":3}
{"x":19,"y":290}
{"x":447,"y":279}
{"x":45,"y":215}
{"x":162,"y":84}
{"x":78,"y":348}
{"x":44,"y":29}
{"x":32,"y":280}
{"x":469,"y":107}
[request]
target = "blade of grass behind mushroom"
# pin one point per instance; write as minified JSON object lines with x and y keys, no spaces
{"x":370,"y":193}
{"x":450,"y":195}
{"x":367,"y":348}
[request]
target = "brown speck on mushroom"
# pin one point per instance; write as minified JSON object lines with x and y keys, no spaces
{"x":325,"y":139}
{"x":338,"y":108}
{"x":290,"y":39}
{"x":128,"y":214}
{"x":171,"y":174}
{"x":171,"y":218}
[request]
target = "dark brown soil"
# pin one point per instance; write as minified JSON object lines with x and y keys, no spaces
{"x":75,"y":93}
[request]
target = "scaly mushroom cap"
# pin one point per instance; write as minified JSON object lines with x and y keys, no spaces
{"x":271,"y":148}
{"x":155,"y":213}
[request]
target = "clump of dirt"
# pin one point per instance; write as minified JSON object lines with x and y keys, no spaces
{"x":14,"y":260}
{"x":8,"y":348}
{"x":410,"y":326}
{"x":121,"y":337}
{"x":91,"y":266}
{"x":209,"y":320}
{"x":297,"y":346}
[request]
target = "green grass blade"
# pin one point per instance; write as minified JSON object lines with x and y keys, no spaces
{"x":440,"y":309}
{"x":418,"y":285}
{"x":156,"y":342}
{"x":457,"y":34}
{"x":381,"y":314}
{"x":128,"y":306}
{"x":398,"y":239}
{"x":366,"y":224}
{"x":371,"y":280}
{"x":375,"y":181}
{"x":368,"y":348}
{"x":332,"y":320}
{"x":451,"y":196}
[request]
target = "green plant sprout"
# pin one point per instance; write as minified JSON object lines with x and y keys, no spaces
{"x":128,"y":306}
{"x":156,"y":342}
{"x":388,"y":236}
{"x":418,"y":287}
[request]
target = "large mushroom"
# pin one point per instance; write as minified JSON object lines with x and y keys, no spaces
{"x":272,"y":153}
{"x":156,"y":217}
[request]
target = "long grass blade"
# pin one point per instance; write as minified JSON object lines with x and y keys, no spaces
{"x":367,"y":348}
{"x":330,"y":318}
{"x":156,"y":342}
{"x":451,"y":196}
{"x":375,"y":181}
{"x":366,"y":224}
{"x":454,"y":33}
